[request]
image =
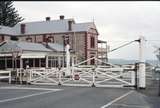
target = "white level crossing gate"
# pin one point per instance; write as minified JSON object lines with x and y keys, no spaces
{"x":43,"y":76}
{"x":85,"y":75}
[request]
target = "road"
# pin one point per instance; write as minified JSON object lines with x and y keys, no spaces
{"x":32,"y":96}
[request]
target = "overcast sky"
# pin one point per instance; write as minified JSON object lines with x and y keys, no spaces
{"x":117,"y":22}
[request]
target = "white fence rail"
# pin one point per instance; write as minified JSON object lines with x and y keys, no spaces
{"x":5,"y":75}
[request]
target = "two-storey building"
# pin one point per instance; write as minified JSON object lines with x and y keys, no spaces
{"x":82,"y":37}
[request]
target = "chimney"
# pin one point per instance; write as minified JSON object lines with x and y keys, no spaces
{"x":70,"y":25}
{"x":61,"y":17}
{"x":48,"y":18}
{"x":23,"y":28}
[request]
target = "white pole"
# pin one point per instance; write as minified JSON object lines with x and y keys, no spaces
{"x":20,"y":69}
{"x":20,"y":72}
{"x":73,"y":69}
{"x":93,"y":78}
{"x":10,"y":77}
{"x":59,"y":77}
{"x":68,"y":71}
{"x":142,"y":73}
{"x":46,"y":61}
{"x":30,"y":74}
{"x":133,"y":78}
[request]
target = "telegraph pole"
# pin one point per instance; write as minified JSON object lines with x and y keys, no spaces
{"x":159,"y":71}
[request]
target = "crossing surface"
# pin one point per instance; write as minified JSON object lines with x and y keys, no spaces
{"x":38,"y":96}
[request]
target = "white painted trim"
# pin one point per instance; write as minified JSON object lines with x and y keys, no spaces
{"x":27,"y":96}
{"x":33,"y":55}
{"x":117,"y":99}
{"x":29,"y":88}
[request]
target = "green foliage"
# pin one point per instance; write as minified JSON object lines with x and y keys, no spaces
{"x":8,"y":14}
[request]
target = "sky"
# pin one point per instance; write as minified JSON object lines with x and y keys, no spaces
{"x":117,"y":22}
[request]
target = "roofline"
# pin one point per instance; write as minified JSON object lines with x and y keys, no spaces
{"x":45,"y":21}
{"x":54,"y":32}
{"x":36,"y":50}
{"x":45,"y":33}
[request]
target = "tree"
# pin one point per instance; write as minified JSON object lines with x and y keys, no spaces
{"x":8,"y":14}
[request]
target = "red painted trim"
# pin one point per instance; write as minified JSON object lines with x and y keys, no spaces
{"x":95,"y":49}
{"x":44,"y":38}
{"x":43,"y":34}
{"x":92,"y":33}
{"x":35,"y":40}
{"x":86,"y":45}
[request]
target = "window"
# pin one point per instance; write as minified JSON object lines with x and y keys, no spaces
{"x":44,"y":38}
{"x":52,"y":61}
{"x":43,"y":62}
{"x":2,"y":62}
{"x":36,"y":62}
{"x":29,"y":39}
{"x":14,"y":38}
{"x":9,"y":62}
{"x":30,"y":62}
{"x":2,"y":38}
{"x":50,"y":39}
{"x":92,"y":42}
{"x":65,"y":39}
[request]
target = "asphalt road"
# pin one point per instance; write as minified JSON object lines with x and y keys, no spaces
{"x":31,"y":96}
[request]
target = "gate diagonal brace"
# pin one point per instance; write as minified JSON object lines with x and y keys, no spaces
{"x":44,"y":76}
{"x":114,"y":77}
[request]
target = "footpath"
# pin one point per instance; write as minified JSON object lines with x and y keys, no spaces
{"x":152,"y":94}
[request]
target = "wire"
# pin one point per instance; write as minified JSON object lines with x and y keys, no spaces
{"x":153,"y":40}
{"x":124,"y":45}
{"x":119,"y":41}
{"x":129,"y":43}
{"x":129,"y":40}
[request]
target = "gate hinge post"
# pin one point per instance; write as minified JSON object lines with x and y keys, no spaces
{"x":93,"y":80}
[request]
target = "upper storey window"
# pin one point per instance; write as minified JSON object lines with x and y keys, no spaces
{"x":92,"y":42}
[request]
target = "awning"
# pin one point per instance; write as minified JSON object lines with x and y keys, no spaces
{"x":3,"y":55}
{"x":33,"y":56}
